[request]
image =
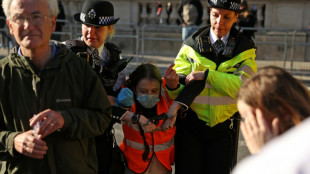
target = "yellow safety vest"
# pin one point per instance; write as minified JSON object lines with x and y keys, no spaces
{"x":217,"y":101}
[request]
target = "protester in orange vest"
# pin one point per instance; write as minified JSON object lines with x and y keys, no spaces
{"x":147,"y":148}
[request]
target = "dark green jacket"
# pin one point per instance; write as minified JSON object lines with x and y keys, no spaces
{"x":67,"y":84}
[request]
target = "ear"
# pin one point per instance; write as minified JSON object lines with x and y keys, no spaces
{"x":111,"y":28}
{"x":275,"y":126}
{"x":236,"y":17}
{"x":53,"y":21}
{"x":10,"y":27}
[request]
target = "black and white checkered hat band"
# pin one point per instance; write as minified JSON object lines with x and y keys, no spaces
{"x":229,"y":5}
{"x":103,"y":20}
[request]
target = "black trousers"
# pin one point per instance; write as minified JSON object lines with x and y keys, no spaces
{"x":201,"y":149}
{"x":104,"y":148}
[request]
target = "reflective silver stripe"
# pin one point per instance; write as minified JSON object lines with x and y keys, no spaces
{"x":223,"y":100}
{"x":164,"y":146}
{"x":191,"y":60}
{"x":133,"y":126}
{"x":246,"y":69}
{"x":157,"y":148}
{"x":163,"y":93}
{"x":208,"y":85}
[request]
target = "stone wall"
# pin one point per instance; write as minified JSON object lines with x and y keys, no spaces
{"x":289,"y":14}
{"x":150,"y":34}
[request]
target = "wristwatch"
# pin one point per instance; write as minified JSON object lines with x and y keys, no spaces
{"x":135,"y":118}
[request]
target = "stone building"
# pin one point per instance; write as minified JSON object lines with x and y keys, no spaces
{"x":282,"y":32}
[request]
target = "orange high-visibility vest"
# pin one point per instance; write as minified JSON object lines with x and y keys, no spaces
{"x":161,"y":143}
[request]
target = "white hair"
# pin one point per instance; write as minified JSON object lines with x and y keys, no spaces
{"x":53,"y":9}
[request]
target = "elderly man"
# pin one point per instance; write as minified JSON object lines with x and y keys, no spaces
{"x":52,"y":102}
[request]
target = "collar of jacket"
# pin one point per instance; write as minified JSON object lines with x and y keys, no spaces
{"x":235,"y":40}
{"x":62,"y":55}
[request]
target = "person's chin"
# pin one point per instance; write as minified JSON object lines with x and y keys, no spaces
{"x":92,"y":44}
{"x":219,"y":31}
{"x":30,"y":42}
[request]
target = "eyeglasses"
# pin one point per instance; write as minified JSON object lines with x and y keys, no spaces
{"x":35,"y":19}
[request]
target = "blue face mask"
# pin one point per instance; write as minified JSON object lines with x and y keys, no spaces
{"x":147,"y":101}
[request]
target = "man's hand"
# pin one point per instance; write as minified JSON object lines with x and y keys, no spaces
{"x":51,"y":121}
{"x":198,"y":75}
{"x":29,"y":145}
{"x":172,"y":78}
{"x":112,"y":99}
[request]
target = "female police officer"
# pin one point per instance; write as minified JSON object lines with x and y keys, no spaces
{"x":97,"y":19}
{"x":220,"y":58}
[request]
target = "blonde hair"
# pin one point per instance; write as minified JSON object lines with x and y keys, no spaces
{"x":111,"y":35}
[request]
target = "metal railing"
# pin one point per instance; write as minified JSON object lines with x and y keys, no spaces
{"x":68,"y":24}
{"x":6,"y":39}
{"x":288,"y":39}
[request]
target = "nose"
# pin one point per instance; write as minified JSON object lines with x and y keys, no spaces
{"x":91,"y":29}
{"x":28,"y":23}
{"x":220,"y":19}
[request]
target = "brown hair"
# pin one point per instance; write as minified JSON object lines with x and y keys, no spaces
{"x":143,"y":71}
{"x":278,"y":94}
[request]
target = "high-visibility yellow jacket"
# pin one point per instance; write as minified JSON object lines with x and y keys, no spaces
{"x":217,"y":101}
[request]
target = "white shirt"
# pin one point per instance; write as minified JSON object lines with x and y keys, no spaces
{"x":286,"y":154}
{"x":214,"y":38}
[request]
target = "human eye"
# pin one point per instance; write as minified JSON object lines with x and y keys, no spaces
{"x":155,"y":91}
{"x":144,"y":92}
{"x":37,"y":16}
{"x":227,"y":17}
{"x":37,"y":19}
{"x":214,"y":15}
{"x":18,"y":19}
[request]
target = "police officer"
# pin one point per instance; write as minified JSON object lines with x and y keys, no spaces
{"x":219,"y":58}
{"x":97,"y":19}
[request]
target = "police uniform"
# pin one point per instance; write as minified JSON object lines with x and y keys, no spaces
{"x":204,"y":134}
{"x":106,"y":62}
{"x":109,"y":55}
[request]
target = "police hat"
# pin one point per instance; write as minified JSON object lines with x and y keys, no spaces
{"x":97,"y":13}
{"x":233,"y":5}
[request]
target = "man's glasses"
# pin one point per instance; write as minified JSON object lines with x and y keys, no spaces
{"x":35,"y":19}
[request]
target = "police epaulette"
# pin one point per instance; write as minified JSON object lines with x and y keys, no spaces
{"x":76,"y":45}
{"x":204,"y":44}
{"x":229,"y":48}
{"x":231,"y":43}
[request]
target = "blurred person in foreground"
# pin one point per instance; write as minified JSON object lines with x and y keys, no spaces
{"x":52,"y":103}
{"x":97,"y":23}
{"x":217,"y":59}
{"x":271,"y":103}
